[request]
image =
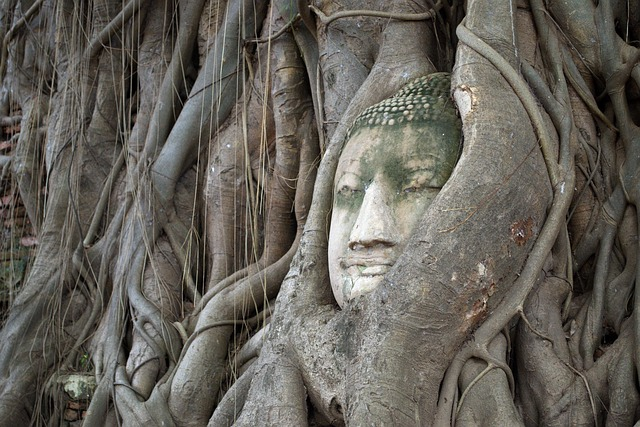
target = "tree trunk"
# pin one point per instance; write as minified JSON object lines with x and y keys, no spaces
{"x":173,"y":164}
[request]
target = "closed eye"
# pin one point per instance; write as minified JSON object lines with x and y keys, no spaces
{"x":347,"y":191}
{"x":423,"y":188}
{"x":418,"y":181}
{"x":411,"y":189}
{"x":349,"y":185}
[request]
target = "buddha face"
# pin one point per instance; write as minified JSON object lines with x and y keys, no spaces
{"x":386,"y":178}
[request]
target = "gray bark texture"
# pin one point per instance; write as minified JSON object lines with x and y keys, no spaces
{"x":166,"y":188}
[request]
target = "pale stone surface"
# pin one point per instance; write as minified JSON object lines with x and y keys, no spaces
{"x":399,"y":154}
{"x":78,"y":386}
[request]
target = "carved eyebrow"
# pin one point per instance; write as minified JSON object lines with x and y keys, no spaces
{"x":426,"y":175}
{"x":432,"y":178}
{"x":421,"y":161}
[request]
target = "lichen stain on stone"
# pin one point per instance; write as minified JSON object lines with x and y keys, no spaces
{"x":521,"y":231}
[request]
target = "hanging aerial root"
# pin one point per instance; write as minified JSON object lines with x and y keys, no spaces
{"x":612,"y":211}
{"x":168,"y":102}
{"x":110,"y":30}
{"x":208,"y":346}
{"x":181,"y":238}
{"x":293,"y":118}
{"x":326,"y":20}
{"x":103,"y":201}
{"x":524,"y":94}
{"x":231,"y":404}
{"x":563,"y":187}
{"x":287,"y":384}
{"x":174,"y":158}
{"x":485,"y":390}
{"x":617,"y":72}
{"x":27,"y":158}
{"x":577,"y":82}
{"x":35,"y":7}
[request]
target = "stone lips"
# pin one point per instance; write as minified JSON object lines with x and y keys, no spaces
{"x":423,"y":101}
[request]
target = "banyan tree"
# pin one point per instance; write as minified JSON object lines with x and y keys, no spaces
{"x":241,"y":212}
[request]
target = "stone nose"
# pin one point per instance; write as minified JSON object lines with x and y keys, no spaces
{"x":375,"y":225}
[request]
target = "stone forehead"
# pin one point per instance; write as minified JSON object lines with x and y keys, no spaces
{"x":423,"y":101}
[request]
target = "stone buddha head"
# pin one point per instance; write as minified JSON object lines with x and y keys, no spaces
{"x":398,"y":155}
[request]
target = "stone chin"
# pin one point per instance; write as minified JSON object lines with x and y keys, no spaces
{"x":354,"y":286}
